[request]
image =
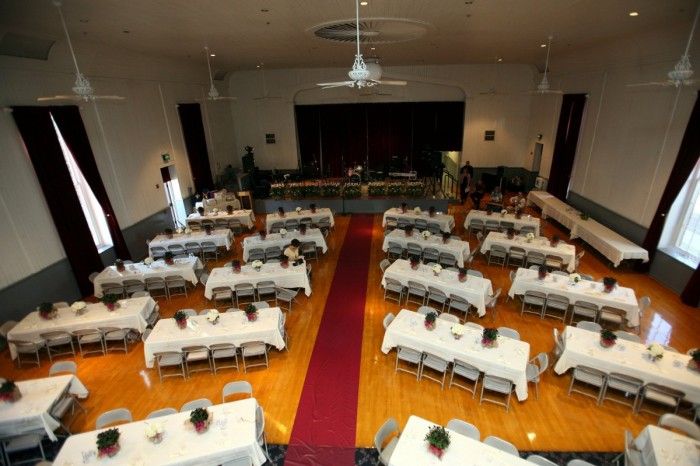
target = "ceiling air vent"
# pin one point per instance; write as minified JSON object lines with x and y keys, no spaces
{"x":19,"y":45}
{"x":372,"y":30}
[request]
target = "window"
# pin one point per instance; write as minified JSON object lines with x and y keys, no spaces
{"x":681,"y":236}
{"x":91,"y":208}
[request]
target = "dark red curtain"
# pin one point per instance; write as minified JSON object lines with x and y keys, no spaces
{"x":565,"y":144}
{"x":196,"y":146}
{"x":44,"y":150}
{"x":73,"y":131}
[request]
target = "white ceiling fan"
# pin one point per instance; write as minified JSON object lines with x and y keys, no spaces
{"x":362,"y":75}
{"x":82,"y":89}
{"x":543,"y":86}
{"x":682,"y":73}
{"x":213,"y":94}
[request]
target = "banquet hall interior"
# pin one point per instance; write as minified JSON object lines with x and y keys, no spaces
{"x":334,"y":232}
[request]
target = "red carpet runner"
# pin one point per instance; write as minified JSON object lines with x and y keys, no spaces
{"x":324,"y":428}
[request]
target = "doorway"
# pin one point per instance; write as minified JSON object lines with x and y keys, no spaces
{"x":196,"y":146}
{"x":173,"y":195}
{"x":565,"y":144}
{"x":537,"y":157}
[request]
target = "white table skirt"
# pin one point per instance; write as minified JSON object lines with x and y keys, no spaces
{"x":412,"y":449}
{"x":540,"y":244}
{"x":320,"y":213}
{"x":626,"y":357}
{"x":460,"y":249}
{"x":184,"y":268}
{"x":518,"y":223}
{"x":131,"y":313}
{"x":231,"y":436}
{"x":222,"y":239}
{"x":31,"y":412}
{"x":507,"y":360}
{"x":538,"y":198}
{"x":291,"y":277}
{"x":246,"y":217}
{"x":476,"y":290}
{"x":585,"y":290}
{"x":275,"y":239}
{"x":233,"y":327}
{"x":661,"y":447}
{"x":446,"y":222}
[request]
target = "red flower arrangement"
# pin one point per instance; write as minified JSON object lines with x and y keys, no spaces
{"x":251,"y":312}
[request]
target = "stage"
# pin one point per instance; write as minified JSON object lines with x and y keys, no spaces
{"x":360,"y":205}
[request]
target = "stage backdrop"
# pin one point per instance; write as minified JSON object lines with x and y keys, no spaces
{"x":387,"y":136}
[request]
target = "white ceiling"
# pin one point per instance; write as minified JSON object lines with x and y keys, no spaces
{"x":243,"y":36}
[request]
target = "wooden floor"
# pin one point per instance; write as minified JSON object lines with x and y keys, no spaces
{"x":555,"y":422}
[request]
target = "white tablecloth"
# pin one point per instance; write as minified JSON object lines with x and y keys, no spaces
{"x":507,"y":360}
{"x":583,"y":347}
{"x":246,"y":217}
{"x":476,"y":290}
{"x":320,"y":213}
{"x":446,"y":222}
{"x":585,"y":290}
{"x":291,"y":277}
{"x":31,"y":412}
{"x":518,"y":223}
{"x":460,"y":249}
{"x":230,"y":436}
{"x":661,"y":447}
{"x":184,"y":268}
{"x":222,"y":238}
{"x":412,"y":449}
{"x":540,"y":244}
{"x":131,"y":313}
{"x":275,"y":239}
{"x":233,"y":327}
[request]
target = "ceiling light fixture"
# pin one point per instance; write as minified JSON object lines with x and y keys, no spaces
{"x":500,"y":59}
{"x":212,"y":54}
{"x":363,"y":3}
{"x":634,"y":13}
{"x":543,"y":45}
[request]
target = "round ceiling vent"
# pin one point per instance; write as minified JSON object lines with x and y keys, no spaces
{"x":372,"y":30}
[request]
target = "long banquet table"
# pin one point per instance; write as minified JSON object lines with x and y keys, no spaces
{"x":446,"y":222}
{"x":32,"y":412}
{"x":320,"y":213}
{"x":246,"y":217}
{"x":231,"y":436}
{"x":459,"y":249}
{"x":131,"y":313}
{"x":585,"y":290}
{"x":291,"y":277}
{"x":184,"y":267}
{"x":661,"y":447}
{"x":221,"y":238}
{"x":540,"y":244}
{"x":629,"y":358}
{"x":412,"y":449}
{"x":507,"y":360}
{"x":518,"y":223}
{"x":233,"y":327}
{"x":276,"y":239}
{"x":476,"y":290}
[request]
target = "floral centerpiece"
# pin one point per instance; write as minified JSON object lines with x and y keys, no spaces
{"x":489,"y":339}
{"x":302,"y":229}
{"x":694,"y":362}
{"x":312,"y":208}
{"x":446,"y":237}
{"x":457,"y":331}
{"x":169,"y":257}
{"x":79,"y":307}
{"x":108,"y":443}
{"x":425,"y":234}
{"x":213,"y":316}
{"x":416,"y":210}
{"x":503,"y":212}
{"x":462,"y":274}
{"x":148,"y":261}
{"x":214,"y":211}
{"x":609,"y":284}
{"x":169,"y":233}
{"x":229,"y":209}
{"x":438,"y":440}
{"x":607,"y":338}
{"x":489,"y":212}
{"x":200,"y":419}
{"x":236,"y":266}
{"x":655,"y":352}
{"x":181,"y":319}
{"x":207,"y":229}
{"x":280,"y":211}
{"x":200,"y":211}
{"x":404,"y":207}
{"x":283,"y":232}
{"x":263,"y":234}
{"x":330,"y":189}
{"x":529,"y":237}
{"x":574,"y":277}
{"x":47,"y":311}
{"x":409,"y":230}
{"x":9,"y":392}
{"x":298,"y":210}
{"x":430,"y":319}
{"x":257,"y":265}
{"x":119,"y":265}
{"x":178,"y":230}
{"x":583,"y":216}
{"x":542,"y":272}
{"x":188,"y":231}
{"x":154,"y":432}
{"x":437,"y":268}
{"x":554,"y":242}
{"x":510,"y":233}
{"x":284,"y":262}
{"x":414,"y":262}
{"x":110,"y":300}
{"x":431,"y":211}
{"x":251,"y":312}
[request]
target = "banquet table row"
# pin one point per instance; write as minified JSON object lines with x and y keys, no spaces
{"x":446,"y":222}
{"x":232,"y":327}
{"x":130,"y":313}
{"x":315,"y":217}
{"x":222,"y":238}
{"x":184,"y":267}
{"x":661,"y":447}
{"x":231,"y":436}
{"x":277,"y":240}
{"x":518,"y":223}
{"x":539,"y":244}
{"x":293,"y":276}
{"x":246,"y":217}
{"x":458,"y":248}
{"x":582,"y":347}
{"x":609,"y":243}
{"x":585,"y":290}
{"x":508,"y":360}
{"x":476,"y":290}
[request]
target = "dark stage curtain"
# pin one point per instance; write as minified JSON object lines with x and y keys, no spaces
{"x":565,"y":144}
{"x":196,"y":146}
{"x":41,"y":143}
{"x":71,"y":126}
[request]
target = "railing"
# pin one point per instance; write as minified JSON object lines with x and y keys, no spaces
{"x":449,"y":185}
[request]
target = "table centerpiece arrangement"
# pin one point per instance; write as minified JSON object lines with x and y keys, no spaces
{"x":47,"y":311}
{"x":213,"y":316}
{"x":298,"y":210}
{"x":438,"y":440}
{"x":262,"y":234}
{"x":283,"y":232}
{"x":108,"y":443}
{"x":236,"y":266}
{"x":530,"y":237}
{"x":416,"y":210}
{"x":414,"y":262}
{"x":208,"y":229}
{"x":251,"y":313}
{"x":655,"y":352}
{"x":200,"y":418}
{"x":409,"y":231}
{"x":229,"y":209}
{"x":169,"y":257}
{"x":437,"y":268}
{"x":110,"y":301}
{"x":430,"y":321}
{"x":9,"y":391}
{"x":607,"y":338}
{"x":510,"y":234}
{"x":542,"y":272}
{"x":462,"y":274}
{"x":280,"y":211}
{"x":425,"y":234}
{"x":154,"y":432}
{"x":457,"y":331}
{"x":79,"y":307}
{"x":489,"y":338}
{"x":446,"y":236}
{"x":257,"y":265}
{"x":609,"y":284}
{"x":694,"y":362}
{"x":574,"y":278}
{"x":431,"y":211}
{"x":181,"y":319}
{"x":119,"y":265}
{"x":312,"y":207}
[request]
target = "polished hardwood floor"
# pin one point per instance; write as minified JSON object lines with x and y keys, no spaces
{"x":554,"y":422}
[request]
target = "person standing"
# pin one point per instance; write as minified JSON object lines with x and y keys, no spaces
{"x":465,"y":181}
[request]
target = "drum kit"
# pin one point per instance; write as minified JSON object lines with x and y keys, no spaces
{"x":355,"y":174}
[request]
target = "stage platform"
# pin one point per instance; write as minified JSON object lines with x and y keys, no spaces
{"x":361,"y":205}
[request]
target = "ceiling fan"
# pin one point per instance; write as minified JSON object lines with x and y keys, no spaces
{"x":361,"y":75}
{"x":682,"y":73}
{"x":543,"y":86}
{"x":213,"y":94}
{"x":82,"y":89}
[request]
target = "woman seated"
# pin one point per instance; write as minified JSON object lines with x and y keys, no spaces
{"x":292,"y":251}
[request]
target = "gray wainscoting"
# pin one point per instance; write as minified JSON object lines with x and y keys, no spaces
{"x":624,"y":226}
{"x":671,"y":272}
